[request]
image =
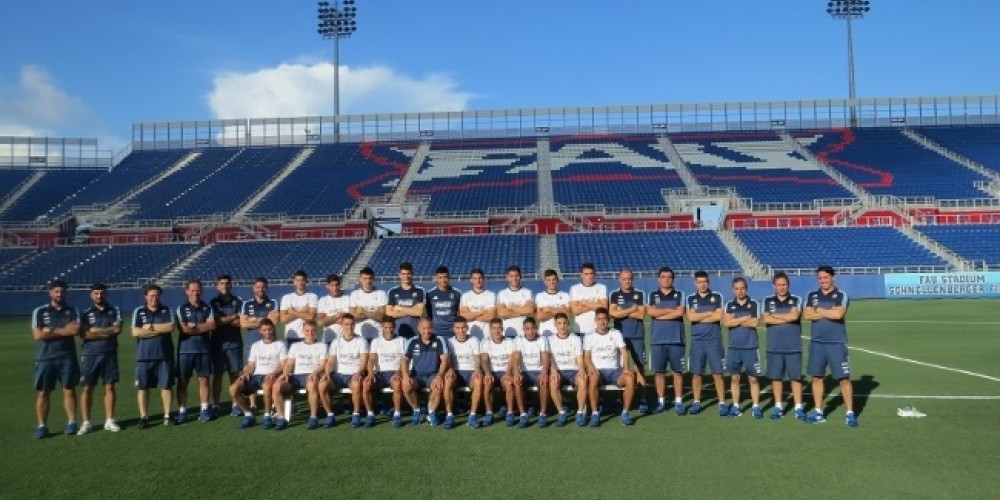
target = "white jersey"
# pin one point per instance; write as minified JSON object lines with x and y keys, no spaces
{"x":586,"y":322}
{"x":463,"y":354}
{"x":294,"y":301}
{"x":267,"y":357}
{"x":332,"y":306}
{"x":565,"y":351}
{"x":389,"y":352}
{"x":348,"y":354}
{"x":514,"y":327}
{"x":499,"y":353}
{"x":545,"y":299}
{"x":373,"y":301}
{"x":604,"y":349}
{"x":531,"y":352}
{"x":307,"y":357}
{"x":478,"y":302}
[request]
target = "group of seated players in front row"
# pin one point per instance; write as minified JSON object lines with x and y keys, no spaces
{"x":410,"y":340}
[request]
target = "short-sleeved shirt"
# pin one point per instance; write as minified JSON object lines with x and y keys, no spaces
{"x":293,"y":329}
{"x":531,"y":352}
{"x":106,"y":317}
{"x":425,"y":357}
{"x":406,"y":297}
{"x":514,"y":327}
{"x":786,"y":337}
{"x":565,"y":351}
{"x":228,"y":336}
{"x":499,"y":352}
{"x":587,"y":322}
{"x":390,"y":353}
{"x":604,"y":349}
{"x":157,"y":348}
{"x":349,"y":354}
{"x":667,"y":331}
{"x":254,"y":309}
{"x":478,"y":302}
{"x":708,"y":302}
{"x":307,"y":357}
{"x":442,"y":307}
{"x":267,"y":356}
{"x":828,"y":331}
{"x":332,"y":306}
{"x":372,"y":302}
{"x":48,"y":316}
{"x":198,"y":314}
{"x":631,"y":328}
{"x":546,"y":299}
{"x":743,"y":337}
{"x":463,"y":354}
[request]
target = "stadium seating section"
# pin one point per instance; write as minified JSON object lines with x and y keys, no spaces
{"x":980,"y":144}
{"x":53,"y":185}
{"x":839,"y":247}
{"x":10,"y":179}
{"x":684,"y":250}
{"x":460,"y":254}
{"x":976,"y":242}
{"x":273,"y":259}
{"x":83,"y":265}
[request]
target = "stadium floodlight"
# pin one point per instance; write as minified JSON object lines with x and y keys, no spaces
{"x":336,"y":21}
{"x":849,"y":10}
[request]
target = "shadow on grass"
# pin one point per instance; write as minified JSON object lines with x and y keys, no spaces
{"x":863,"y":388}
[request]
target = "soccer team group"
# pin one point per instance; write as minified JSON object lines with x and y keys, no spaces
{"x":410,"y":341}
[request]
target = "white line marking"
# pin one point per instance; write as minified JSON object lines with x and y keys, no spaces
{"x":836,"y":392}
{"x":925,"y":321}
{"x":921,"y":363}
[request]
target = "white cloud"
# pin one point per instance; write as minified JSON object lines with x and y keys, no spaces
{"x":35,"y":105}
{"x":304,"y":89}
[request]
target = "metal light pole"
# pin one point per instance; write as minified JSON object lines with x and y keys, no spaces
{"x":336,"y":21}
{"x":849,"y":10}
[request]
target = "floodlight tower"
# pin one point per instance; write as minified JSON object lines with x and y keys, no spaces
{"x":849,"y":10}
{"x":336,"y":21}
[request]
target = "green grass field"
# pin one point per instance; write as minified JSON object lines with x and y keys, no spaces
{"x":950,"y":454}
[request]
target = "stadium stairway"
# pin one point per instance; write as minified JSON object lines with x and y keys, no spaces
{"x":360,"y":260}
{"x":752,"y":268}
{"x":991,"y":189}
{"x":399,"y":194}
{"x":953,"y":259}
{"x":266,"y":188}
{"x":678,"y":164}
{"x":548,"y":253}
{"x":851,"y":186}
{"x":177,"y":272}
{"x":20,"y":190}
{"x":546,"y":196}
{"x":183,"y":162}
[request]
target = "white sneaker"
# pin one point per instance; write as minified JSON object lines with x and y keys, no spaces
{"x":111,"y":426}
{"x":906,"y":412}
{"x":85,"y":428}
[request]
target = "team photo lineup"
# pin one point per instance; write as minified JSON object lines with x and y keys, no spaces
{"x":441,"y":343}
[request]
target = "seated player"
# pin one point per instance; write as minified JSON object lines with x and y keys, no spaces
{"x":534,"y":359}
{"x":568,"y":367}
{"x":424,"y":365}
{"x":262,"y":369}
{"x":302,"y":370}
{"x":608,"y":362}
{"x":500,"y":364}
{"x":384,"y":356}
{"x":465,"y":372}
{"x":346,"y":367}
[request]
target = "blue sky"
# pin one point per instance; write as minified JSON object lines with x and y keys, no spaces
{"x":93,"y":68}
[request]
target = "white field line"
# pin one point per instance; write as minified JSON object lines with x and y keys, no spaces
{"x":925,"y":321}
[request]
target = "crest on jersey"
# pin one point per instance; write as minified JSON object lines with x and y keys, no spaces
{"x":711,"y":299}
{"x":635,"y":297}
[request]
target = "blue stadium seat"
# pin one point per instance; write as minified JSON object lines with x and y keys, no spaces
{"x":52,"y":187}
{"x":977,"y":143}
{"x":461,"y":254}
{"x":10,"y":179}
{"x":86,"y":264}
{"x":839,"y":247}
{"x":645,"y":251}
{"x":976,"y":242}
{"x":274,"y":259}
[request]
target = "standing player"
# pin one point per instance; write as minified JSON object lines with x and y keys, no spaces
{"x":302,"y":370}
{"x":368,"y":305}
{"x":261,"y":371}
{"x":741,"y":317}
{"x":465,"y":372}
{"x":705,"y":311}
{"x":227,"y":340}
{"x":54,"y":327}
{"x":384,"y":357}
{"x":514,"y":303}
{"x":608,"y":362}
{"x":196,"y":321}
{"x":535,"y":363}
{"x":550,"y":302}
{"x":568,"y":367}
{"x":253,"y":311}
{"x":827,"y":309}
{"x":629,"y":313}
{"x":500,"y":363}
{"x":783,"y":317}
{"x":666,"y":309}
{"x":406,"y":303}
{"x":478,"y":306}
{"x":586,"y":297}
{"x":297,"y":308}
{"x":424,"y":365}
{"x":442,"y":303}
{"x":331,"y":308}
{"x":346,"y":366}
{"x":101,"y":325}
{"x":152,"y":327}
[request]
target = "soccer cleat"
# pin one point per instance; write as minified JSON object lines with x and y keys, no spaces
{"x":561,"y":419}
{"x":679,"y":409}
{"x":205,"y":415}
{"x":281,"y":425}
{"x":312,"y":423}
{"x":84,"y":429}
{"x":415,"y":419}
{"x":734,"y":411}
{"x":523,"y":421}
{"x":757,"y":413}
{"x":502,"y":412}
{"x":777,"y":413}
{"x":581,"y":419}
{"x":724,"y":410}
{"x":851,"y":420}
{"x":397,"y":422}
{"x":595,"y":419}
{"x":111,"y":426}
{"x":815,"y":417}
{"x":627,"y":419}
{"x":330,"y":420}
{"x":369,"y":420}
{"x":181,"y":417}
{"x":531,"y":411}
{"x":644,"y":408}
{"x":71,"y":429}
{"x":510,"y":419}
{"x":695,"y":408}
{"x":235,"y":411}
{"x":800,"y":414}
{"x":268,"y":422}
{"x":213,"y":412}
{"x":355,"y":420}
{"x":660,"y":408}
{"x":432,"y":417}
{"x":41,"y":432}
{"x":909,"y":412}
{"x":449,"y":421}
{"x":143,"y":423}
{"x":488,"y":419}
{"x":247,"y":422}
{"x":543,"y":421}
{"x":473,"y":421}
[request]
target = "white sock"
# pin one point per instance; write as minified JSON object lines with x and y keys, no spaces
{"x":661,"y":400}
{"x":799,"y":406}
{"x":395,"y":413}
{"x":472,"y":414}
{"x":87,"y":422}
{"x":204,"y":406}
{"x":678,"y":400}
{"x":780,"y":406}
{"x":247,"y":414}
{"x":370,"y":414}
{"x":562,"y":412}
{"x":450,"y":415}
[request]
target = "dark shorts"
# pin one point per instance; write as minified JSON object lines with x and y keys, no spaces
{"x":784,"y":365}
{"x":668,"y":355}
{"x":103,"y":366}
{"x":65,"y":371}
{"x":637,"y":349}
{"x":298,"y":381}
{"x":832,"y":355}
{"x":498,"y":378}
{"x":605,"y":377}
{"x":199,"y":364}
{"x":567,"y":377}
{"x":706,"y":351}
{"x":530,"y":379}
{"x":384,"y":379}
{"x":743,"y":360}
{"x":424,"y":381}
{"x":254,"y":384}
{"x":463,"y":378}
{"x":157,"y":374}
{"x":227,"y":360}
{"x":341,"y":380}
